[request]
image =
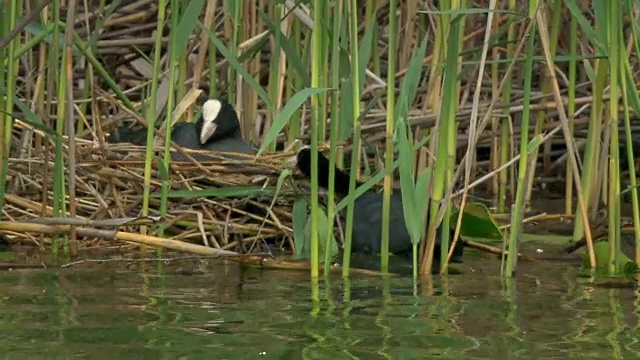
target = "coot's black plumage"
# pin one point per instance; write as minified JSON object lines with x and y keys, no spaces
{"x":132,"y":135}
{"x":367,"y":215}
{"x":218,"y":129}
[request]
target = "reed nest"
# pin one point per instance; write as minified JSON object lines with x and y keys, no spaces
{"x":105,"y":182}
{"x":109,"y":194}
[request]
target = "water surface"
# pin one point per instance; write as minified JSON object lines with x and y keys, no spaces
{"x":155,"y":310}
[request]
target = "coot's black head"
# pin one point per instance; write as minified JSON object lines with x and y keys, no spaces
{"x":219,"y":120}
{"x":135,"y":136}
{"x":303,"y":163}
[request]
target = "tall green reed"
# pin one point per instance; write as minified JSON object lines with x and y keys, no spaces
{"x":338,"y":7}
{"x":341,"y":119}
{"x":68,"y":110}
{"x":448,"y":39}
{"x":317,"y":117}
{"x":151,"y":113}
{"x":505,"y":127}
{"x":616,"y":50}
{"x":588,"y":191}
{"x":355,"y":103}
{"x":540,"y":119}
{"x":59,"y":193}
{"x":471,"y":145}
{"x":518,"y":207}
{"x":415,"y":193}
{"x":8,"y":79}
{"x":390,"y":127}
{"x":630,"y":99}
{"x":542,"y":28}
{"x":571,"y":106}
{"x":274,"y":66}
{"x":234,"y":8}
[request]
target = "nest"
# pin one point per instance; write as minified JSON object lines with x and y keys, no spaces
{"x":223,"y":204}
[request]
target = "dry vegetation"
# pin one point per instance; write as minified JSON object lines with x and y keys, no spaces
{"x":104,"y":181}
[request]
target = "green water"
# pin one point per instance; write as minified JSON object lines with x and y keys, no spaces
{"x":223,"y":311}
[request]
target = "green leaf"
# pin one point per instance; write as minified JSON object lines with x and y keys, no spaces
{"x":164,"y":176}
{"x":374,"y":179}
{"x":299,"y":217}
{"x":413,"y":212}
{"x":97,"y":66}
{"x":477,"y":222}
{"x":186,"y":25}
{"x":293,"y":58}
{"x":411,"y":82}
{"x":469,"y":11}
{"x":237,"y":66}
{"x":36,"y":29}
{"x":31,"y":118}
{"x":325,"y":231}
{"x":584,"y":23}
{"x":325,"y":228}
{"x":231,"y":191}
{"x":254,"y":48}
{"x":601,"y":251}
{"x":406,"y":180}
{"x":364,"y":52}
{"x":422,"y":192}
{"x":534,"y":143}
{"x":283,"y":117}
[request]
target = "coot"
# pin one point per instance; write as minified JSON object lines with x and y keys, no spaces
{"x":367,"y":213}
{"x":218,"y":129}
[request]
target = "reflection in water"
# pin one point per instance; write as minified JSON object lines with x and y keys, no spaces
{"x":224,"y":310}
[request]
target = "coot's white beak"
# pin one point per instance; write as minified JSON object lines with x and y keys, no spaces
{"x":293,"y":161}
{"x":210,"y":111}
{"x":208,"y":128}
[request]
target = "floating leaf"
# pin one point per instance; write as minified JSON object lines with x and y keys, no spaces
{"x":477,"y":222}
{"x":299,"y":215}
{"x":325,"y":228}
{"x":601,"y":251}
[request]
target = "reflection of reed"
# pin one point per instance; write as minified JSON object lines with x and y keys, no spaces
{"x":569,"y":302}
{"x":510,"y":296}
{"x":636,"y":319}
{"x":617,"y":315}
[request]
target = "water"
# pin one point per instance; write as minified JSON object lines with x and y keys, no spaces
{"x":152,"y":310}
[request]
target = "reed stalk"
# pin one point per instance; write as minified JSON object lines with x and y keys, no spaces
{"x":59,"y":193}
{"x":616,"y":46}
{"x":449,"y":33}
{"x":8,"y":79}
{"x":151,"y":111}
{"x":634,"y":99}
{"x":317,"y":117}
{"x":59,"y":114}
{"x":518,"y":207}
{"x":571,"y":107}
{"x":338,"y":7}
{"x":390,"y":126}
{"x":355,"y":103}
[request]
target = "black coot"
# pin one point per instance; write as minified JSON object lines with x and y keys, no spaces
{"x":135,"y":136}
{"x":367,"y":215}
{"x":218,"y":129}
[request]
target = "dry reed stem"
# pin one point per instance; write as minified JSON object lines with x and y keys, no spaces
{"x":24,"y":227}
{"x":108,"y":184}
{"x":109,"y":188}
